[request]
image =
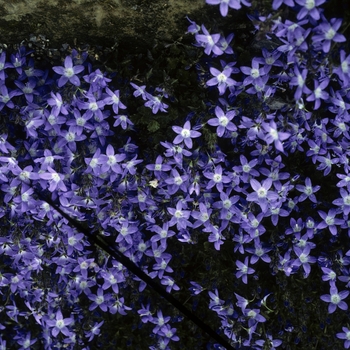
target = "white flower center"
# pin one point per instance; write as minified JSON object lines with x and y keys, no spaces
{"x":221,"y":78}
{"x":217,"y":178}
{"x":223,"y":121}
{"x":68,"y":72}
{"x":310,"y":4}
{"x":330,"y":34}
{"x":254,"y":73}
{"x":335,"y":299}
{"x":185,"y":133}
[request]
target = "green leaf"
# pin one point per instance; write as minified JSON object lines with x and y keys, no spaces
{"x":153,"y":126}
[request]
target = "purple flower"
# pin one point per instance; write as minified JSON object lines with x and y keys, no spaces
{"x":193,"y":28}
{"x":329,"y":220}
{"x":170,"y":283}
{"x":25,"y":341}
{"x":139,"y":90}
{"x":221,"y":79}
{"x":55,"y":179}
{"x":68,"y":72}
{"x":304,"y":259}
{"x":329,"y":33}
{"x":274,"y":136}
{"x":343,"y":71}
{"x":202,"y":216}
{"x":258,"y":252}
{"x":277,"y":3}
{"x":159,"y":321}
{"x":345,"y":335}
{"x":57,"y":104}
{"x":196,"y":288}
{"x":223,"y":121}
{"x":176,"y":182}
{"x":185,"y":134}
{"x":101,"y":300}
{"x":319,"y":93}
{"x":209,"y":42}
{"x":243,"y":270}
{"x":309,"y":8}
{"x":307,"y":191}
{"x":329,"y":274}
{"x":5,"y":97}
{"x":28,"y":89}
{"x":261,"y":194}
{"x":113,"y":99}
{"x":269,"y":343}
{"x":94,"y":330}
{"x":145,"y":314}
{"x":216,"y":236}
{"x":335,"y":299}
{"x":254,"y":316}
{"x":59,"y":324}
{"x":343,"y":202}
{"x":326,"y":163}
{"x":168,"y":332}
{"x":216,"y":178}
{"x":111,"y":160}
{"x":119,"y":306}
{"x":159,"y":168}
{"x":299,"y":80}
{"x":3,"y":66}
{"x":253,"y":73}
{"x":179,"y":216}
{"x":155,"y":103}
{"x":225,"y":4}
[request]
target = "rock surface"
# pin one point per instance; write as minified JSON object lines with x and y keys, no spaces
{"x":133,"y":23}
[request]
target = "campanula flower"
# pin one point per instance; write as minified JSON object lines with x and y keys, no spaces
{"x":68,"y":72}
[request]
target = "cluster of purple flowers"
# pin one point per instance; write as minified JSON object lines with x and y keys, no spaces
{"x":266,"y":215}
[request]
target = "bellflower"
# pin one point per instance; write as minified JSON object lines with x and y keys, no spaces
{"x":307,"y":191}
{"x":299,"y":80}
{"x":221,"y":79}
{"x":343,"y":71}
{"x":209,"y":42}
{"x":3,"y":66}
{"x":304,"y":259}
{"x":179,"y":216}
{"x":111,"y":160}
{"x":261,"y":194}
{"x":155,"y":103}
{"x":216,"y":178}
{"x":216,"y":236}
{"x":274,"y":136}
{"x":55,"y":179}
{"x":243,"y":270}
{"x":309,"y":8}
{"x":329,"y":220}
{"x":114,"y":100}
{"x":68,"y":72}
{"x":139,"y":91}
{"x":225,"y":4}
{"x":344,"y":201}
{"x":346,"y":336}
{"x":319,"y":93}
{"x":5,"y":97}
{"x":100,"y":299}
{"x":185,"y":134}
{"x":329,"y":34}
{"x":253,"y":73}
{"x":277,"y":3}
{"x":223,"y":121}
{"x":59,"y":324}
{"x":335,"y":299}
